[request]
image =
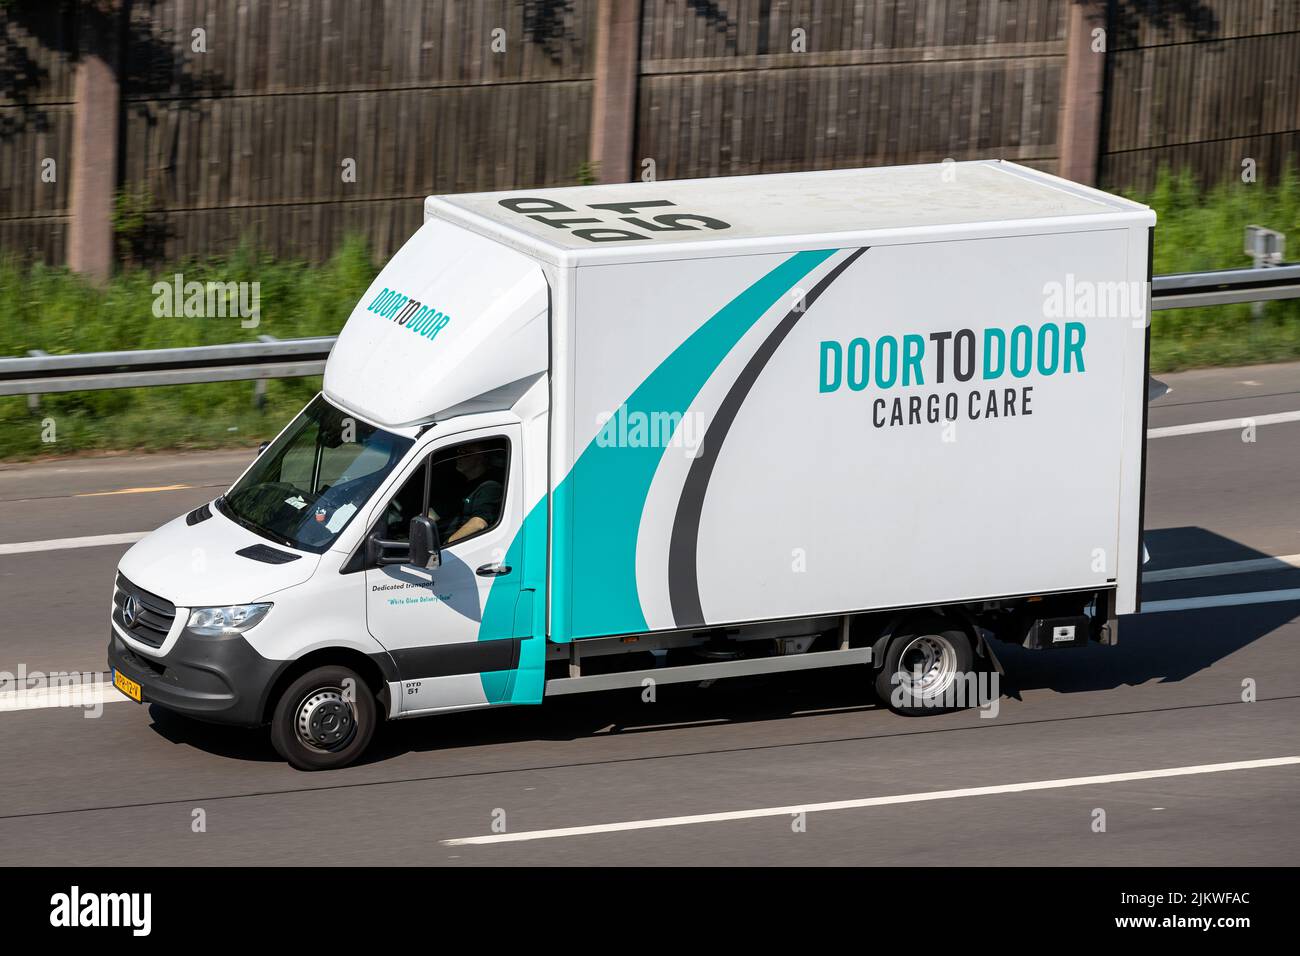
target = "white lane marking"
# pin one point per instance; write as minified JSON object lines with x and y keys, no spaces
{"x":60,"y":544}
{"x":1223,"y":425}
{"x":1222,"y":600}
{"x":1223,"y":568}
{"x":74,"y":695}
{"x":1032,"y":785}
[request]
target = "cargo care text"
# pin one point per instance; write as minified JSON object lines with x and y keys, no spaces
{"x":948,"y":357}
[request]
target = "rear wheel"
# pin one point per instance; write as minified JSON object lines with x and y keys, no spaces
{"x":923,"y":663}
{"x":324,"y":719}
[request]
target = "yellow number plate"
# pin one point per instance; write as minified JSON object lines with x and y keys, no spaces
{"x":127,"y":686}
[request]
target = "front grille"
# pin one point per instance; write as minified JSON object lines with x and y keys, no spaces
{"x":155,"y":616}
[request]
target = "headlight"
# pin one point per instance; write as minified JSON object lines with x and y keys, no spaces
{"x":232,"y":619}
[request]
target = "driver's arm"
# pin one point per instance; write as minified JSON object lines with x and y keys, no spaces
{"x":484,"y":506}
{"x":473,"y":526}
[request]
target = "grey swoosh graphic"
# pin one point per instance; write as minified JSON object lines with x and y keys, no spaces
{"x":683,"y":583}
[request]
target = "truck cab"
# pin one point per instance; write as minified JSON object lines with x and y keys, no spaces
{"x":301,"y":582}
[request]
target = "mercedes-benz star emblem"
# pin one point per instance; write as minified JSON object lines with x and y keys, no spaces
{"x":131,"y":611}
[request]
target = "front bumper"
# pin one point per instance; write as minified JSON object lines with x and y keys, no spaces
{"x":218,"y":679}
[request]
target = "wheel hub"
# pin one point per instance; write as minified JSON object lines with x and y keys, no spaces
{"x":928,"y":665}
{"x":325,"y":720}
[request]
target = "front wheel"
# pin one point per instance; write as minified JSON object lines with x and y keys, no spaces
{"x":924,"y":663}
{"x":324,"y":719}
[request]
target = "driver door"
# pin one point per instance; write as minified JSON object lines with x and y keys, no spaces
{"x":429,"y":619}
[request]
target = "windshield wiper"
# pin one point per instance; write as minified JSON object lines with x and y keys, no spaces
{"x":229,"y":511}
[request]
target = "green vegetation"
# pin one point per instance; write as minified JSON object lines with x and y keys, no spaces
{"x":50,"y":309}
{"x":1197,"y":231}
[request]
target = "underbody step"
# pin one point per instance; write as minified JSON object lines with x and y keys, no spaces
{"x":702,"y":672}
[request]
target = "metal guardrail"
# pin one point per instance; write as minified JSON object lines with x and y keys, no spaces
{"x":1224,"y":287}
{"x":291,"y":358}
{"x":240,"y":361}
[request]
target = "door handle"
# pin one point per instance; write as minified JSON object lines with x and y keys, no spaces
{"x":493,"y":570}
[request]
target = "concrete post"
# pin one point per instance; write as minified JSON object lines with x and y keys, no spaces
{"x":1082,"y":91}
{"x":93,"y":180}
{"x":613,"y":103}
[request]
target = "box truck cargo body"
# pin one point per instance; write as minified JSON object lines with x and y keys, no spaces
{"x":576,"y":439}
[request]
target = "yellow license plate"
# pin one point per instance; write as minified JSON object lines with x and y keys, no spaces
{"x":127,"y":686}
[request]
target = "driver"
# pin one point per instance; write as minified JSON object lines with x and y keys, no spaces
{"x":482,"y":504}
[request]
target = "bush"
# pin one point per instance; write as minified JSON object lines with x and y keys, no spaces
{"x":1197,"y":231}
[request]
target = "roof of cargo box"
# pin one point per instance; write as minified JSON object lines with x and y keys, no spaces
{"x":657,"y":219}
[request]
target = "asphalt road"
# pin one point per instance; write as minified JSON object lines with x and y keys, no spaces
{"x":127,"y":785}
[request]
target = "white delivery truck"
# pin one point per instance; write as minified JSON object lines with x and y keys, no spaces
{"x":578,"y":439}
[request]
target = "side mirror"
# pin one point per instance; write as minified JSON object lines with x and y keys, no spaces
{"x":262,"y":447}
{"x":426,"y":546}
{"x":380,"y":553}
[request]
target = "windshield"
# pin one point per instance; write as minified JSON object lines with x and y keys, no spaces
{"x":304,"y":489}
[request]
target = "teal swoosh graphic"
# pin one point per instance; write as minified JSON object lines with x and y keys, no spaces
{"x":510,"y":611}
{"x":595,"y":590}
{"x":614,"y":481}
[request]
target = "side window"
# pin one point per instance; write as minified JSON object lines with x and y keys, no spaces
{"x":467,"y":488}
{"x":464,"y":493}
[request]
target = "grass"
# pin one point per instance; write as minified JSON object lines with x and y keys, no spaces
{"x":53,"y":310}
{"x":1198,"y":231}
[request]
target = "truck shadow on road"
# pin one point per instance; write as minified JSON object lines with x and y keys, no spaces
{"x":738,"y":701}
{"x":1170,"y":645}
{"x":236,"y":743}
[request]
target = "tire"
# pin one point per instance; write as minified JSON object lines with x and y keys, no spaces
{"x":315,"y":728}
{"x":936,"y":647}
